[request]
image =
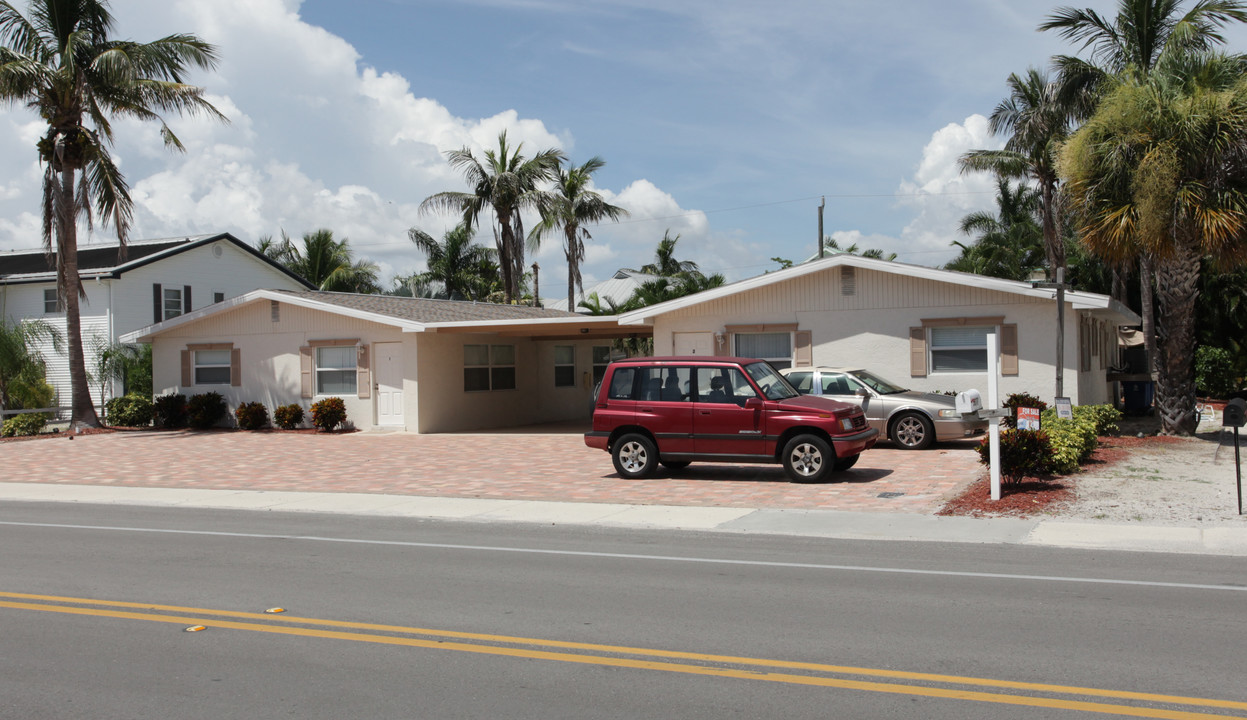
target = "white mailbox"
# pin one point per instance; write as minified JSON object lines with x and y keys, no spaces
{"x":969,"y":402}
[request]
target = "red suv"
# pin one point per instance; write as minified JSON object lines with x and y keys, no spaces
{"x":676,"y":410}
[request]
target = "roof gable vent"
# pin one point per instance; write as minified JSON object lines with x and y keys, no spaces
{"x":848,"y":280}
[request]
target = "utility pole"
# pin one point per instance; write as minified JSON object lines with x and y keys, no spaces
{"x":1059,"y":286}
{"x":822,"y":201}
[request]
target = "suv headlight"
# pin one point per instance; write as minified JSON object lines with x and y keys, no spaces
{"x":847,"y":424}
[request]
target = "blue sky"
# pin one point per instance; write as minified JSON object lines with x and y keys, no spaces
{"x":723,"y":121}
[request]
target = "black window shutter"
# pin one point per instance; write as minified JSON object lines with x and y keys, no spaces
{"x":157,"y":304}
{"x":186,"y":298}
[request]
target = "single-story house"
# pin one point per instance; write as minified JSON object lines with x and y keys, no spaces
{"x":155,"y":281}
{"x":917,"y":326}
{"x":618,"y":288}
{"x":405,"y":363}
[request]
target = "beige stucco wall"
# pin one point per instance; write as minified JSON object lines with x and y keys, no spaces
{"x":433,"y":396}
{"x":870,"y":328}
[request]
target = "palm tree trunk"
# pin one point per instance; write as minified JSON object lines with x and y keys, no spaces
{"x":1054,"y":248}
{"x":82,"y":412}
{"x":1177,"y":284}
{"x":1147,"y":310}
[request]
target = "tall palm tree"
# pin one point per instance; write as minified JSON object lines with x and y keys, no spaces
{"x":326,"y":263}
{"x":464,"y":270}
{"x":1037,"y":122}
{"x":568,"y":209}
{"x":62,"y":63}
{"x":1130,"y":46}
{"x":508,"y":182}
{"x":1162,"y":168}
{"x":1008,"y":244}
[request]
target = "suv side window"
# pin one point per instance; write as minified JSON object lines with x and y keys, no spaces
{"x":621,"y":384}
{"x":723,"y":385}
{"x":666,"y":384}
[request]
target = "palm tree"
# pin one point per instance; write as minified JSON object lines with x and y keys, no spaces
{"x":21,"y":364}
{"x":1161,"y":168}
{"x":829,"y":243}
{"x":1008,"y":244}
{"x":508,"y":182}
{"x":326,"y":263}
{"x":665,"y":263}
{"x":569,"y":208}
{"x":1037,"y":121}
{"x":1131,"y":45}
{"x":62,"y":63}
{"x":462,"y":269}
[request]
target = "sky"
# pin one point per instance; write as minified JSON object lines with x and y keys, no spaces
{"x":723,"y":121}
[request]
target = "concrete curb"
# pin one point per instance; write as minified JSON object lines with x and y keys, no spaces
{"x":1212,"y":540}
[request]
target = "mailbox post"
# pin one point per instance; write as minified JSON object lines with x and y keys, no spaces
{"x":1233,"y":417}
{"x":970,"y":403}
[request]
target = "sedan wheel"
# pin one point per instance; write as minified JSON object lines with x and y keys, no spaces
{"x":808,"y":459}
{"x":913,"y":432}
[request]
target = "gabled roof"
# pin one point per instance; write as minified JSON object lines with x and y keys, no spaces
{"x":104,"y":261}
{"x":411,"y":315}
{"x":619,"y":287}
{"x":1076,"y":299}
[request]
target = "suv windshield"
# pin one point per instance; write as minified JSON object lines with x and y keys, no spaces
{"x":773,"y":385}
{"x":881,"y":386}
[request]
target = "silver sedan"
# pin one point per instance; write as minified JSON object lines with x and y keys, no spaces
{"x":912,"y":420}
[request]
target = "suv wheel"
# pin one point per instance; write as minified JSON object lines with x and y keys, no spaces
{"x":912,"y":431}
{"x":635,"y":456}
{"x":808,"y":459}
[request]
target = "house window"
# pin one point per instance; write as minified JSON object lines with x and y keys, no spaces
{"x":564,"y":366}
{"x":49,"y":302}
{"x":172,"y":303}
{"x":959,"y":349}
{"x":212,"y":367}
{"x":601,"y":358}
{"x":336,"y":370}
{"x":488,"y":367}
{"x":774,"y":347}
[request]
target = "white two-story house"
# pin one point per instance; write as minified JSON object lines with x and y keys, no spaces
{"x":155,"y":281}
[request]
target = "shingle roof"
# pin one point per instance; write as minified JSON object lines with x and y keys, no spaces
{"x":90,"y":258}
{"x":424,"y":310}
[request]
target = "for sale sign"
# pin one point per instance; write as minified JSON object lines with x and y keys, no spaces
{"x":1028,"y":418}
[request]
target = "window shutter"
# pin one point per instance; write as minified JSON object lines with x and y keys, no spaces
{"x":363,"y":386}
{"x":805,"y":349}
{"x":305,"y":371}
{"x":186,"y":299}
{"x":187,"y":377}
{"x":157,"y":303}
{"x":235,"y":367}
{"x":918,"y":352}
{"x":1008,"y":349}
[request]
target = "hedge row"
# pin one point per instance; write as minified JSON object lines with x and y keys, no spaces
{"x":1058,"y":448}
{"x":207,"y":410}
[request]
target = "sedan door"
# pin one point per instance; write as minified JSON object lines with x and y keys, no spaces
{"x":845,"y":388}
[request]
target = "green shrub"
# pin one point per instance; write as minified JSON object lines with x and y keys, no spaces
{"x":329,"y":413}
{"x":251,"y":416}
{"x":1215,"y":373}
{"x":1072,"y":440}
{"x":30,"y":393}
{"x":288,"y":417}
{"x":1105,"y":417}
{"x":1023,"y":453}
{"x":129,"y":411}
{"x":205,"y":410}
{"x":169,"y":411}
{"x":1017,"y":400}
{"x":24,"y":424}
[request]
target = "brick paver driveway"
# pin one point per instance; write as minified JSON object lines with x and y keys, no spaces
{"x":513,"y":465}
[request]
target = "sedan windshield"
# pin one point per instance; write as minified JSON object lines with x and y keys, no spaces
{"x":878,"y":384}
{"x":773,"y":385}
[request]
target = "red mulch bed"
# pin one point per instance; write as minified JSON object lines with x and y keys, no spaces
{"x":1042,"y":495}
{"x":112,"y":429}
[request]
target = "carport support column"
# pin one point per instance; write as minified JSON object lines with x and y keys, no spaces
{"x":993,"y":402}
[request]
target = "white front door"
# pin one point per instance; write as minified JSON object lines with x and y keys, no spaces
{"x":389,"y":374}
{"x":692,"y":343}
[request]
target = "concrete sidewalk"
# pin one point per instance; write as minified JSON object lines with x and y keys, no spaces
{"x":1216,"y":540}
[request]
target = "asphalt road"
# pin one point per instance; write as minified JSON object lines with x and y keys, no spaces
{"x":418,"y":619}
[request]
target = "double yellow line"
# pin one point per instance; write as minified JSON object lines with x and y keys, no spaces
{"x":814,"y":674}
